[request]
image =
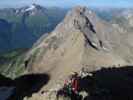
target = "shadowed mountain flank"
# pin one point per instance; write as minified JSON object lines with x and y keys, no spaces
{"x":110,"y":84}
{"x":22,"y":86}
{"x":22,"y":26}
{"x":4,"y":81}
{"x":28,"y":84}
{"x":106,"y":84}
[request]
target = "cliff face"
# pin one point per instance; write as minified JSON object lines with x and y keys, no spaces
{"x":81,"y":40}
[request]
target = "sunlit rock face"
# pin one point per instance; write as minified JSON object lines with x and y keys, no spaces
{"x":81,"y":39}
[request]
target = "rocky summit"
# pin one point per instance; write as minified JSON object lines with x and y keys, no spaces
{"x":82,"y":39}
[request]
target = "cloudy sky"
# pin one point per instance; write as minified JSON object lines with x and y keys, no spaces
{"x":68,"y":3}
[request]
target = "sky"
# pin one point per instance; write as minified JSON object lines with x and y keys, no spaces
{"x":68,"y":3}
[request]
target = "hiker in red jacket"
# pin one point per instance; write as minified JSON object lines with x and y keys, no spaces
{"x":75,"y":83}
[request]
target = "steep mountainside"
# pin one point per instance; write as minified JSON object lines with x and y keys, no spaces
{"x":27,"y":24}
{"x":11,"y":63}
{"x":81,"y":40}
{"x":122,"y":18}
{"x":5,"y":35}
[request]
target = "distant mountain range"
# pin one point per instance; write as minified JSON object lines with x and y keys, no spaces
{"x":21,"y":27}
{"x":121,"y":16}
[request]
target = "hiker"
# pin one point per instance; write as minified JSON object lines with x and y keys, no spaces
{"x":85,"y":73}
{"x":75,"y":83}
{"x":68,"y":81}
{"x":71,"y":88}
{"x":68,"y":85}
{"x":72,"y":83}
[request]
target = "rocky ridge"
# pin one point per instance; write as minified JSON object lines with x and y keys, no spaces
{"x":81,"y":40}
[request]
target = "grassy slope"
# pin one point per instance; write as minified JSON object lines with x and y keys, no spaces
{"x":11,"y":63}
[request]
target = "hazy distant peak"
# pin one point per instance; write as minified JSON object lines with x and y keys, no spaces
{"x":31,"y":7}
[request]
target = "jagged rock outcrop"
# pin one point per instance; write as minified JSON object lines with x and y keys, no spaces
{"x":81,"y":40}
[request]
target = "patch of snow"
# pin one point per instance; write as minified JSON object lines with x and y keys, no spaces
{"x":94,"y":44}
{"x":32,"y":7}
{"x":17,"y":11}
{"x":90,"y":12}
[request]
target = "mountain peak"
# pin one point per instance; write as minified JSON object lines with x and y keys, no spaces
{"x":80,"y":19}
{"x":81,"y":9}
{"x":33,"y":7}
{"x":77,"y":17}
{"x":81,"y":40}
